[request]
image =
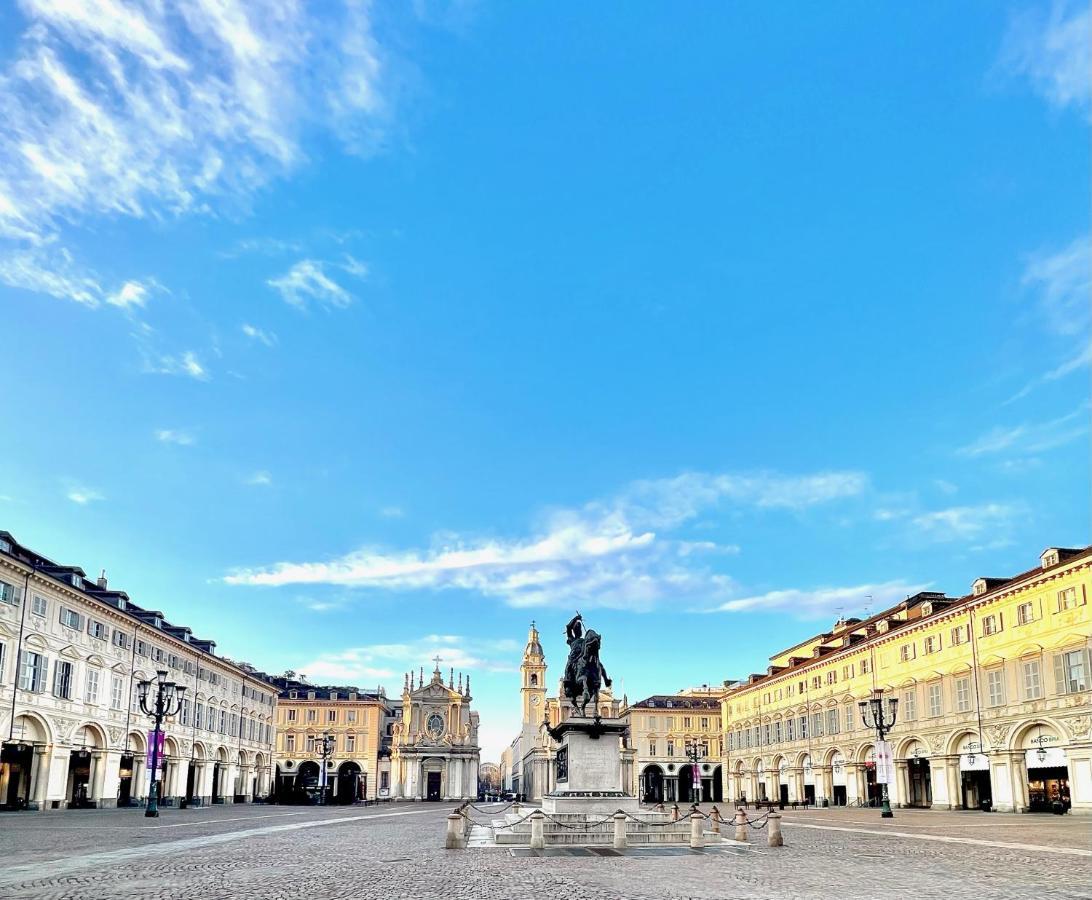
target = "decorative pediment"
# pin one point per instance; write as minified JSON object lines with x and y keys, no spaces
{"x":95,"y":660}
{"x":70,"y":652}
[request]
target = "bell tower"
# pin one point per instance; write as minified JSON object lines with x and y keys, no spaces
{"x":533,"y":673}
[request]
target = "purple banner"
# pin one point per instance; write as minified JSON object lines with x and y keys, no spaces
{"x":152,"y":736}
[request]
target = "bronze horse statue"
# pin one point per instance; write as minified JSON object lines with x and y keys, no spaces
{"x":584,"y":673}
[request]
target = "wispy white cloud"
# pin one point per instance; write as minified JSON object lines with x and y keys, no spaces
{"x":174,"y":436}
{"x":152,"y":109}
{"x":309,"y":281}
{"x":186,"y":364}
{"x":824,"y":602}
{"x":607,"y":553}
{"x":53,"y":272}
{"x":361,"y":665}
{"x":83,"y":495}
{"x":262,"y":246}
{"x":260,"y":335}
{"x":1031,"y":437}
{"x":960,"y":523}
{"x":392,"y":512}
{"x":260,"y":478}
{"x":1051,"y":50}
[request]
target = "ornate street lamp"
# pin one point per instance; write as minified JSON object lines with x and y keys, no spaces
{"x":164,"y":703}
{"x":693,"y":753}
{"x":326,"y":748}
{"x":874,"y":716}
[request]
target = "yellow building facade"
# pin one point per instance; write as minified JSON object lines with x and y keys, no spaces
{"x":356,"y":722}
{"x":994,"y":711}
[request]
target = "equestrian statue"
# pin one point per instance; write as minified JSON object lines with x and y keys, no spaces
{"x":584,"y":673}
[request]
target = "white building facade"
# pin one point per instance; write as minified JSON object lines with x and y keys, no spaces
{"x":434,"y":748}
{"x":72,"y":653}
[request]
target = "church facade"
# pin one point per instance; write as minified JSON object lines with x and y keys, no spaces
{"x":434,"y":747}
{"x":529,"y":760}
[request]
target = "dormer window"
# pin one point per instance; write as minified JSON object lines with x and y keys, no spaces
{"x":979,"y":587}
{"x":310,"y":695}
{"x":882,"y":626}
{"x":927,"y":609}
{"x":292,"y":695}
{"x":1049,"y":558}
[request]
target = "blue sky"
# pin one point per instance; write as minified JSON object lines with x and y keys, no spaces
{"x":348,"y":340}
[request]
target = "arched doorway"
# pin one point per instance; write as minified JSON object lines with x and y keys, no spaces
{"x":839,"y":795}
{"x":350,"y":780}
{"x":686,"y":784}
{"x":1047,"y":767}
{"x":717,"y":794}
{"x":17,"y":762}
{"x":652,"y":784}
{"x":975,"y":787}
{"x":917,"y":788}
{"x":78,"y":789}
{"x":307,"y":782}
{"x":873,"y":791}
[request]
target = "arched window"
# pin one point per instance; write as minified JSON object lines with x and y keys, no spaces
{"x":534,"y":680}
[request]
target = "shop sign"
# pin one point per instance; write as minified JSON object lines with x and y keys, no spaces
{"x":885,"y":763}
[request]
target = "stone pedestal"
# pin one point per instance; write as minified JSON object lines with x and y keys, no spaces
{"x":588,"y":769}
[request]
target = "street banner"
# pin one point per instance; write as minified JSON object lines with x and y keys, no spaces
{"x":152,"y":736}
{"x":885,"y":763}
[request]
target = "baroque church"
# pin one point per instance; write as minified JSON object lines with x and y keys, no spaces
{"x":529,"y":760}
{"x":434,"y":746}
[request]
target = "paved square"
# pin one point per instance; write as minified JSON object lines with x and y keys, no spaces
{"x":395,"y":852}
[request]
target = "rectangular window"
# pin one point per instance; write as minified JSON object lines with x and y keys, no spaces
{"x":32,"y":672}
{"x":141,"y":648}
{"x":350,"y":716}
{"x":290,"y":715}
{"x":832,"y":677}
{"x":909,"y":705}
{"x":790,"y":729}
{"x":936,"y":703}
{"x":1071,"y":671}
{"x":907,"y":652}
{"x":686,"y":723}
{"x":384,"y":781}
{"x":350,"y":744}
{"x":117,"y":692}
{"x":91,"y":687}
{"x":184,"y":713}
{"x":765,"y":735}
{"x":331,"y":715}
{"x":39,"y":606}
{"x":962,"y":695}
{"x":932,"y":644}
{"x":1033,"y":681}
{"x":223,"y":721}
{"x":651,"y":748}
{"x":311,"y":714}
{"x":121,"y":639}
{"x":71,"y":619}
{"x":991,"y":624}
{"x":803,"y":723}
{"x":97,"y":630}
{"x":9,"y":594}
{"x":777,"y":732}
{"x":62,"y":680}
{"x":958,"y":635}
{"x":1067,"y":599}
{"x":866,"y":666}
{"x":289,"y":744}
{"x":1025,"y":613}
{"x":850,"y":723}
{"x":995,"y":687}
{"x":816,"y":724}
{"x":670,"y":748}
{"x":832,"y":721}
{"x":705,"y":723}
{"x":198,"y":715}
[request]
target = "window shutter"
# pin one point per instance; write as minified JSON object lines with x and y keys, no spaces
{"x":40,"y":675}
{"x":1059,"y":673}
{"x":1086,"y":670}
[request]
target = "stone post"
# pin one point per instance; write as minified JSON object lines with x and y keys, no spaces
{"x":454,"y":838}
{"x":774,"y":826}
{"x":697,"y":839}
{"x":538,"y":842}
{"x":675,"y":812}
{"x":715,"y":816}
{"x":741,"y":825}
{"x":619,"y":831}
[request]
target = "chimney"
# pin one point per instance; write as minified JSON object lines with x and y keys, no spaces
{"x":102,"y":580}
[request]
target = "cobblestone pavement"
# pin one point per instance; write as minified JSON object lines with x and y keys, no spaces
{"x":275,"y":853}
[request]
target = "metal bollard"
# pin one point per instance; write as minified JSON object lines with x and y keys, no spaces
{"x":620,"y":831}
{"x":775,"y":839}
{"x":675,"y":813}
{"x":715,"y":816}
{"x":697,"y":839}
{"x":741,"y":826}
{"x":538,"y":842}
{"x":454,"y":838}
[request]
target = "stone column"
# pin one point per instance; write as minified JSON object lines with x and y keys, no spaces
{"x":900,"y":789}
{"x":822,"y":784}
{"x":139,"y":784}
{"x":1012,"y":767}
{"x":203,"y":782}
{"x":38,"y":789}
{"x":853,"y":785}
{"x":1079,"y":757}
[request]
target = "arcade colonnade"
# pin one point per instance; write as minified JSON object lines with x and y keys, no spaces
{"x":428,"y":776}
{"x":1027,"y":767}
